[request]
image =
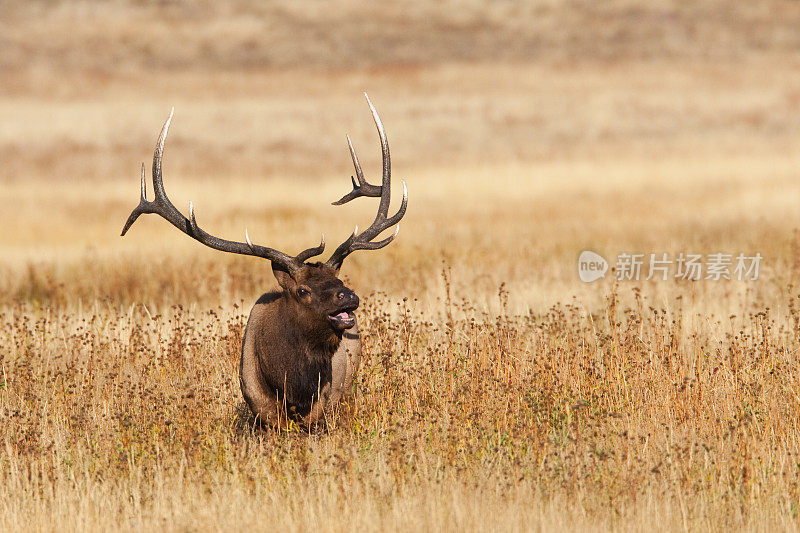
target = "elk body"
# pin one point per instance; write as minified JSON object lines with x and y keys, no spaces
{"x":301,"y":347}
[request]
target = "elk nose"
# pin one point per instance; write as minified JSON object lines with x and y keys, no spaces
{"x":346,"y":296}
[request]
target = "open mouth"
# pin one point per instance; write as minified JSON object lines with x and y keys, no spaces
{"x":344,"y":319}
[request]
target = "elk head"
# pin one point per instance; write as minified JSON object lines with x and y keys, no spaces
{"x":313,"y":291}
{"x":318,"y":298}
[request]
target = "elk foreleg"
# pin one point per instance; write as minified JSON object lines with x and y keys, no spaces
{"x":319,"y":407}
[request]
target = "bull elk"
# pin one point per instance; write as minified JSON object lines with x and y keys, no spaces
{"x":301,"y":347}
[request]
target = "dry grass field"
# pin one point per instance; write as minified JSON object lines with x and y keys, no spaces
{"x":498,"y":391}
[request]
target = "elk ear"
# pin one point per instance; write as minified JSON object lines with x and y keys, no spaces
{"x":285,"y":280}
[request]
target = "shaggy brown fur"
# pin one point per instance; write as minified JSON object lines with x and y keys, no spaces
{"x":294,"y":356}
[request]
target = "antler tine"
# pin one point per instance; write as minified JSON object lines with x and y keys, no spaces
{"x":139,"y":209}
{"x":356,"y":165}
{"x":305,"y":255}
{"x":366,"y":245}
{"x":158,"y":153}
{"x":386,"y":193}
{"x":144,"y":185}
{"x":247,"y":239}
{"x":382,"y":222}
{"x":162,"y":206}
{"x":362,"y":188}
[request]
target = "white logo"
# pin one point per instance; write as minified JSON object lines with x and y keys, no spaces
{"x":591,"y":266}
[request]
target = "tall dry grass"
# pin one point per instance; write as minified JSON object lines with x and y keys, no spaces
{"x":625,"y":417}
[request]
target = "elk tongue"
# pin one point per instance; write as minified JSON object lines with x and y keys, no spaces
{"x":343,"y":319}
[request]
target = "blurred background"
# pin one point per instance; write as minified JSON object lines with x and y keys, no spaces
{"x":526,"y":131}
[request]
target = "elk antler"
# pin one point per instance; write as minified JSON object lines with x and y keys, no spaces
{"x":363,"y":240}
{"x":162,"y":206}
